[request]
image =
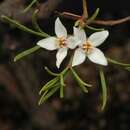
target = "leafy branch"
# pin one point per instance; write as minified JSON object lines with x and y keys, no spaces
{"x":58,"y":83}
{"x":53,"y":85}
{"x":22,"y":27}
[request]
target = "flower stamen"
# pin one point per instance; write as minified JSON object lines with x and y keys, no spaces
{"x":62,"y":42}
{"x":87,"y":47}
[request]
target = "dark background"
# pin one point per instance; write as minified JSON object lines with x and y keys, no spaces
{"x":20,"y":82}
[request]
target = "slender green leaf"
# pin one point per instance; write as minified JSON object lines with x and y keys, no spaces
{"x":93,"y":17}
{"x":25,"y":53}
{"x":29,"y":6}
{"x":117,"y":63}
{"x":79,"y":79}
{"x":49,"y":85}
{"x":44,"y":94}
{"x":22,"y":27}
{"x":94,"y":29}
{"x":48,"y":95}
{"x":83,"y":88}
{"x":104,"y":89}
{"x":50,"y":72}
{"x":35,"y":24}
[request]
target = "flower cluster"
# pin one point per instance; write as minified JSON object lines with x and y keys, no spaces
{"x":84,"y":47}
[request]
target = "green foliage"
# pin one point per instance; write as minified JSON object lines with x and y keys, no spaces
{"x":80,"y":82}
{"x":25,"y":53}
{"x":58,"y":83}
{"x":22,"y":27}
{"x":53,"y":85}
{"x":104,"y":88}
{"x":93,"y":17}
{"x":29,"y":6}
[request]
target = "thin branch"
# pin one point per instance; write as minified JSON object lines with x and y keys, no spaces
{"x":98,"y":22}
{"x":111,"y":22}
{"x":68,"y":15}
{"x":85,"y":10}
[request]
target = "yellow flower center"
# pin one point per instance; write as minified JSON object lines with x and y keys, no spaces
{"x":62,"y":42}
{"x":87,"y":47}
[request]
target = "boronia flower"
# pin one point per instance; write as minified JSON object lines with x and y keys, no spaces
{"x":87,"y":47}
{"x":60,"y":42}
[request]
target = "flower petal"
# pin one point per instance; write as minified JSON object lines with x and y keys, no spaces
{"x":48,"y":43}
{"x":79,"y":57}
{"x":97,"y":57}
{"x":72,"y":42}
{"x":60,"y":30}
{"x":80,"y":35}
{"x":98,"y":38}
{"x":61,"y":54}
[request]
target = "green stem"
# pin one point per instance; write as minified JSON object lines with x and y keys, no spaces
{"x":22,"y":27}
{"x":104,"y":88}
{"x":62,"y":84}
{"x":25,"y":53}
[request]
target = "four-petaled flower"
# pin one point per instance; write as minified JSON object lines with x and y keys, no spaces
{"x":61,"y":42}
{"x":87,"y":47}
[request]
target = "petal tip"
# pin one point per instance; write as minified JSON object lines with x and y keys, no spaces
{"x":106,"y":32}
{"x":57,"y":65}
{"x":105,"y":63}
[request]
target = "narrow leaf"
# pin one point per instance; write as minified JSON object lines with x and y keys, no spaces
{"x":117,"y":62}
{"x":44,"y":94}
{"x":50,"y":72}
{"x":94,"y":29}
{"x":104,"y":89}
{"x":79,"y":79}
{"x":25,"y":53}
{"x":35,"y":24}
{"x":93,"y":17}
{"x":22,"y":27}
{"x":29,"y":6}
{"x":83,"y":88}
{"x":48,"y":95}
{"x":49,"y":85}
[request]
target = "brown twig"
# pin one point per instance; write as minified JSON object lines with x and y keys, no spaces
{"x":98,"y":22}
{"x":111,"y":22}
{"x":68,"y":15}
{"x":85,"y":10}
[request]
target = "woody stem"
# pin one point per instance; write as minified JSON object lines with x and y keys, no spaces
{"x":85,"y":10}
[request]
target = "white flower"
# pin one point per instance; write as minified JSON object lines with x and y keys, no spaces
{"x":61,"y":42}
{"x":87,"y":47}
